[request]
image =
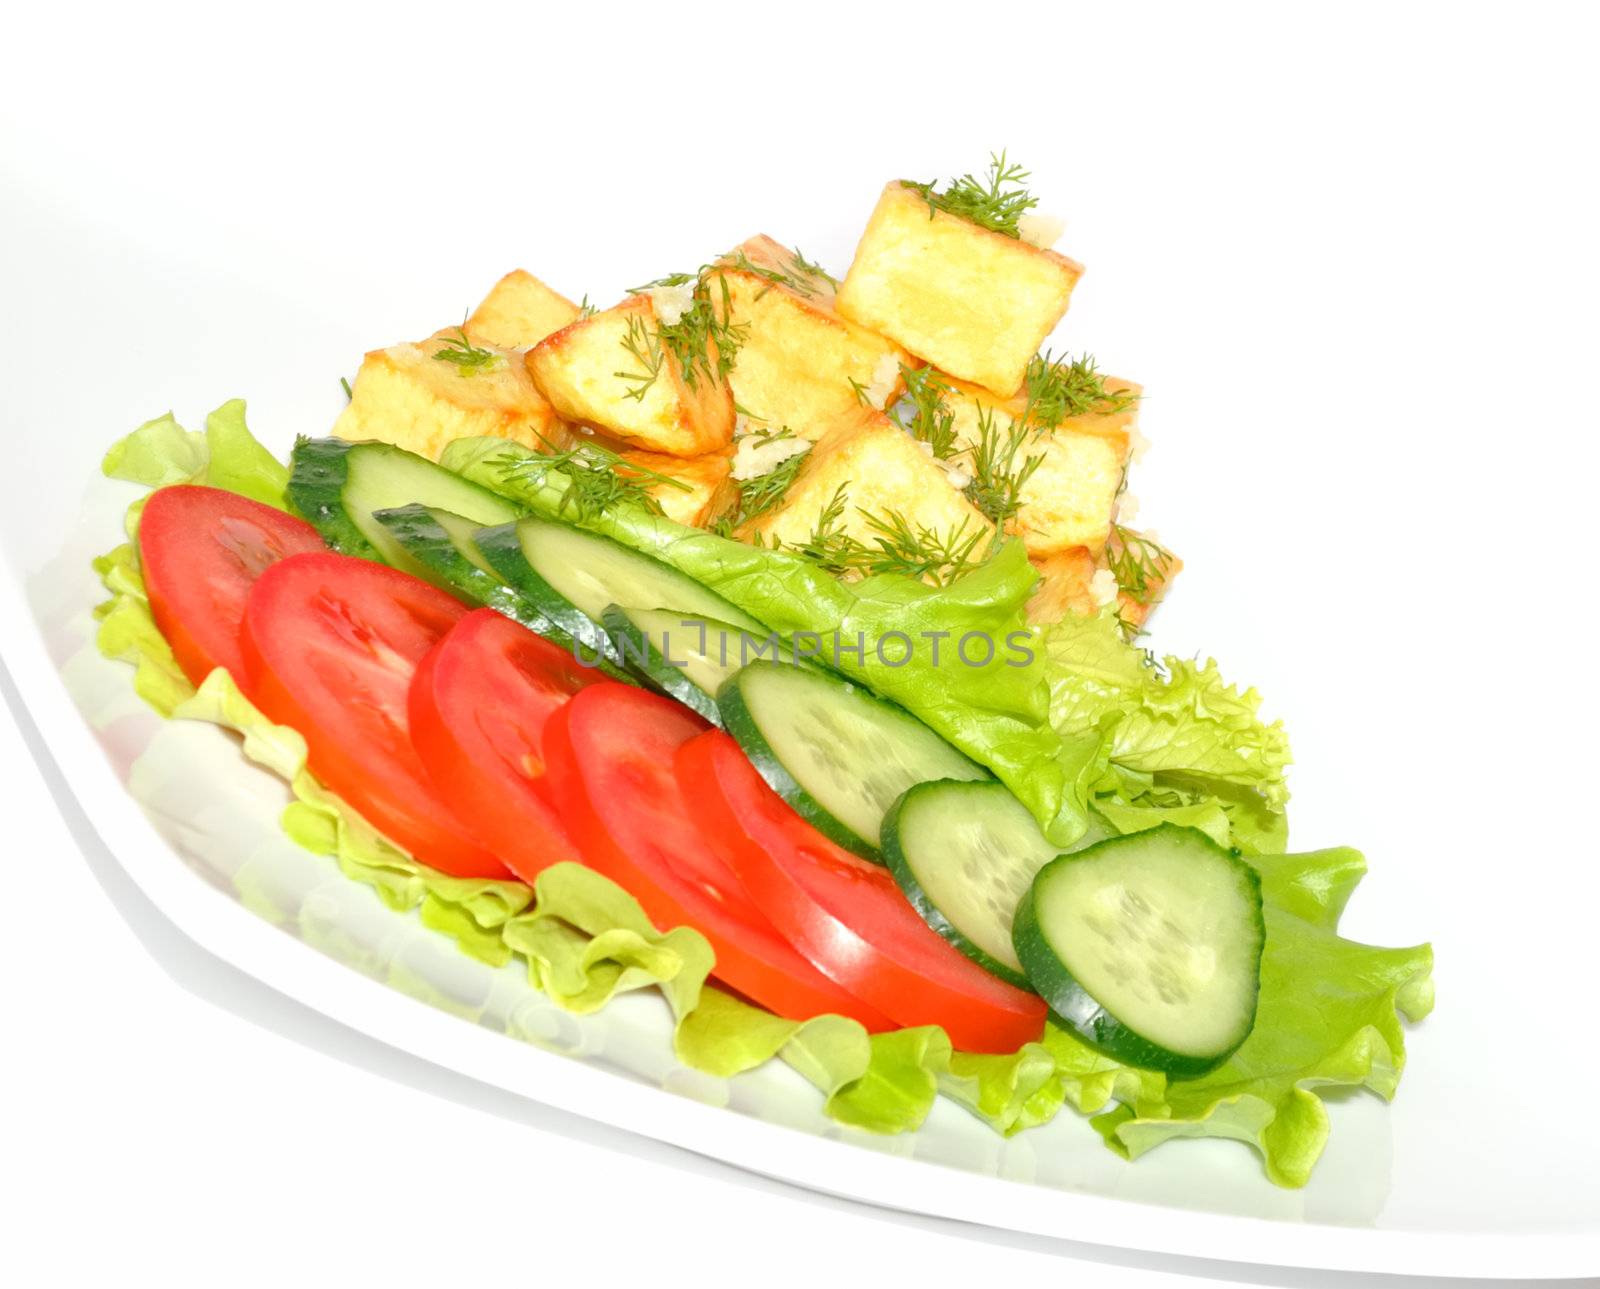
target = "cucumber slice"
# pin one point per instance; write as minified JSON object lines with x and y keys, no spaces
{"x":965,"y":854}
{"x":336,"y":486}
{"x":1149,"y":947}
{"x":835,"y":753}
{"x":440,"y":544}
{"x":572,"y":577}
{"x":682,"y":654}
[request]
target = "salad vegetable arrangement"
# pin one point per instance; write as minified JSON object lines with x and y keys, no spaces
{"x":771,"y":641}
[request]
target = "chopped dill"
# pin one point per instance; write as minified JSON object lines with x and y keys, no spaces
{"x":810,"y":268}
{"x":804,"y":277}
{"x":1141,"y":566}
{"x":923,"y":412}
{"x":763,"y":493}
{"x":896,"y":545}
{"x":996,"y":202}
{"x":598,"y":479}
{"x":644,"y":347}
{"x":997,"y":475}
{"x":349,"y":394}
{"x":468,"y":359}
{"x":918,"y":551}
{"x":1059,"y":388}
{"x":703,"y":342}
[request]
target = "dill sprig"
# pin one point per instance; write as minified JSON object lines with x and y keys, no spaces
{"x":585,"y":309}
{"x":915,"y":550}
{"x":923,"y":412}
{"x":996,"y":202}
{"x":704,"y":341}
{"x":811,"y":268}
{"x":1058,"y":388}
{"x":766,"y":491}
{"x":598,"y":479}
{"x":468,"y":358}
{"x":803,"y":279}
{"x":1140,"y":565}
{"x":643,"y":345}
{"x":896,"y":545}
{"x":997,"y":475}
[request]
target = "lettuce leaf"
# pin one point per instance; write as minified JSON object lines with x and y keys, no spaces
{"x":1184,"y":745}
{"x":1329,"y":1015}
{"x":997,"y":712}
{"x":1064,"y":716}
{"x":227,"y":455}
{"x":1087,"y":719}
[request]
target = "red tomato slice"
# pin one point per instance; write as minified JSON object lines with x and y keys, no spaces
{"x":479,"y":706}
{"x":330,"y":647}
{"x":610,"y":757}
{"x":846,"y":915}
{"x":201,"y":550}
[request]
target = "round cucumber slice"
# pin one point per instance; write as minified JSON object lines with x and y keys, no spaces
{"x":833,"y":751}
{"x":1148,"y":946}
{"x":572,"y":576}
{"x":683,"y":655}
{"x":965,"y":853}
{"x":336,"y":486}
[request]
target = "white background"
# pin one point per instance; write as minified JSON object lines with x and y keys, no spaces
{"x":1351,"y":252}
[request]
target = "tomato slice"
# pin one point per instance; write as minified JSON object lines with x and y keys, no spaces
{"x":330,"y":645}
{"x":847,"y":916}
{"x":201,"y":550}
{"x":610,"y":757}
{"x":479,"y":705}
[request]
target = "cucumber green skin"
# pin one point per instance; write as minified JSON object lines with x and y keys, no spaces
{"x":640,"y":656}
{"x":426,"y":541}
{"x":1072,"y":1005}
{"x":736,"y":719}
{"x":894,"y":856}
{"x":502,"y":547}
{"x":318,"y":472}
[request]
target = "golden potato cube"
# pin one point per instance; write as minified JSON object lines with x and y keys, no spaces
{"x":612,"y":371}
{"x":1070,"y":499}
{"x":1065,"y":587}
{"x":1144,"y":570}
{"x":710,"y":489}
{"x":1133,"y":573}
{"x":799,"y":356}
{"x":882,"y":469}
{"x":973,"y":302}
{"x":519,"y":312}
{"x":407,"y":396}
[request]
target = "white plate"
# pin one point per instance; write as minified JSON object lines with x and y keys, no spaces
{"x":1450,"y":767}
{"x":195,"y":827}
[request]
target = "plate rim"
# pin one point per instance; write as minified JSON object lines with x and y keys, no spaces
{"x":819,"y":1164}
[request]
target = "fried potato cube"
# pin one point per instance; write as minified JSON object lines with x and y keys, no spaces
{"x":1065,"y":587}
{"x":708,"y":491}
{"x":519,"y":312}
{"x":1070,"y":499}
{"x":407,"y":396}
{"x":882,"y":470}
{"x":613,"y":371}
{"x":970,"y":301}
{"x":1144,"y":570}
{"x":799,"y":355}
{"x":1133,"y":573}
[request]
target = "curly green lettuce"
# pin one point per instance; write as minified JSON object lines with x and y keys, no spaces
{"x":1089,"y":720}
